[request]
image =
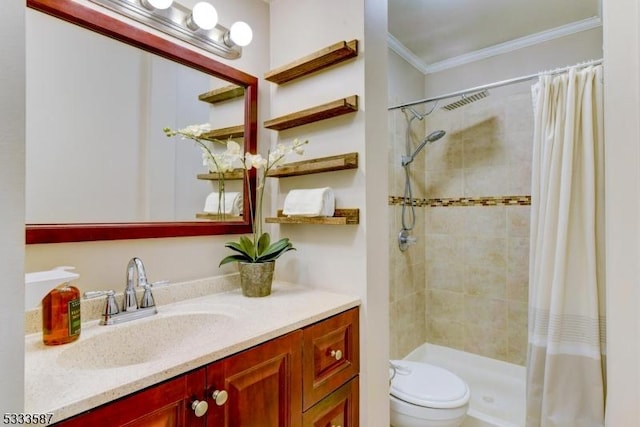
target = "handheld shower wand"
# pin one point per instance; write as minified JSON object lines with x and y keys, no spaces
{"x":432,"y":137}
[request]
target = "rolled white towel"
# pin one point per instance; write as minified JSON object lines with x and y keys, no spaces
{"x":310,"y":202}
{"x":231,"y":203}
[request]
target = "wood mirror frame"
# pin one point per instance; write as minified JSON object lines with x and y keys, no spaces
{"x":93,"y":20}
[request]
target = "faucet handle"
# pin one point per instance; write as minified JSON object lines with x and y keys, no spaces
{"x":110,"y":307}
{"x":147,"y":297}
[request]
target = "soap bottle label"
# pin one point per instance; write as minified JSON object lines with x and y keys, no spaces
{"x":74,"y":317}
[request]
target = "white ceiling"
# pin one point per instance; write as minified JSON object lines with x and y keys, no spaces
{"x":436,"y":34}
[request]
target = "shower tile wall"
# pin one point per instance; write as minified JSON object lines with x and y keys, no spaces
{"x":464,"y":284}
{"x":477,"y":256}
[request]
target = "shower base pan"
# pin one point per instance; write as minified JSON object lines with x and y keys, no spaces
{"x":497,"y":388}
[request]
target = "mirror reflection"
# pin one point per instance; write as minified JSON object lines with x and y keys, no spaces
{"x":96,"y":152}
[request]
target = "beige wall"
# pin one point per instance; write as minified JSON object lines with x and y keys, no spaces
{"x":341,"y":258}
{"x":622,"y":210}
{"x":12,"y":136}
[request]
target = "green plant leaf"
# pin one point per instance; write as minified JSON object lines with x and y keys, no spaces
{"x":275,"y":250}
{"x":235,"y":246}
{"x":263,"y":243}
{"x":247,"y":247}
{"x":234,"y":258}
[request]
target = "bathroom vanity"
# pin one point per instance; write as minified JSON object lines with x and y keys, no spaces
{"x":290,"y":359}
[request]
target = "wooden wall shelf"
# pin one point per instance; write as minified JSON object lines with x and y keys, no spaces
{"x":218,"y":217}
{"x":314,"y":114}
{"x":316,"y":61}
{"x":324,"y":164}
{"x":225,"y":133}
{"x":340,"y":217}
{"x":236,"y":174}
{"x":222,"y":94}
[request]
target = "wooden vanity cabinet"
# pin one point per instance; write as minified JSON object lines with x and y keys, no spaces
{"x":306,"y":378}
{"x":263,"y":386}
{"x":331,"y":364}
{"x":168,"y":404}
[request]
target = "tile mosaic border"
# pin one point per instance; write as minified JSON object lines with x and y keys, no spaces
{"x":464,"y":201}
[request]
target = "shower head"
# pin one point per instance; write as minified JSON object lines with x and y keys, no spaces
{"x":466,"y":99}
{"x":435,"y":135}
{"x":432,"y":137}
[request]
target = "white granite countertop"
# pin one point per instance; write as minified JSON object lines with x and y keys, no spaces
{"x":69,"y":379}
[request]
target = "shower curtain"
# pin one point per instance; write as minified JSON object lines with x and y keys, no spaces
{"x":565,"y":368}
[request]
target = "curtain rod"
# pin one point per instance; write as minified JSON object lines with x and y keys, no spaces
{"x":496,"y":84}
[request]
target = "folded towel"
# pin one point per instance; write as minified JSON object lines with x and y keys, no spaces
{"x":310,"y":202}
{"x":231,"y":203}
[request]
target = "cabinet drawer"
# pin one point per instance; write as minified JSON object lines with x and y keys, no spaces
{"x":330,"y":355}
{"x":340,"y":408}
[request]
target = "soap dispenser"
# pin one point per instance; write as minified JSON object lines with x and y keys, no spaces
{"x":60,"y":306}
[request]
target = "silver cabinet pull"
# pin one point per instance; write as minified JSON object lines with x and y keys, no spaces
{"x":220,"y":397}
{"x":199,"y":407}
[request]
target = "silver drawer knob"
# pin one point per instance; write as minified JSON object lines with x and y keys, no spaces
{"x":336,"y":354}
{"x":220,"y":397}
{"x":199,"y":407}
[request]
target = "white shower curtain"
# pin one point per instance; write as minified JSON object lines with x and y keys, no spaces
{"x":565,"y":367}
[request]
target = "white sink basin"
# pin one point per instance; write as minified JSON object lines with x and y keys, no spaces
{"x":142,"y":341}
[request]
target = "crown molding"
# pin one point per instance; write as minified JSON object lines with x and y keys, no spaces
{"x":395,"y":45}
{"x":498,"y":49}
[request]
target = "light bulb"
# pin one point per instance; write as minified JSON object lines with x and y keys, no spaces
{"x":156,"y":4}
{"x":203,"y":15}
{"x":240,"y":33}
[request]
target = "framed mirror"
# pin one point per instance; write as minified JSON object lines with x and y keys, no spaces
{"x":122,"y":188}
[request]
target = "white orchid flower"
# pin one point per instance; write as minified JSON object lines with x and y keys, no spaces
{"x":254,"y":161}
{"x":195,"y":130}
{"x":233,"y":148}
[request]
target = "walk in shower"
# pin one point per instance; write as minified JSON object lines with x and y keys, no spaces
{"x":459,"y":289}
{"x":462,"y":286}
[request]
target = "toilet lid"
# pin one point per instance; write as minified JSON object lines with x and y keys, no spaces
{"x":427,"y":385}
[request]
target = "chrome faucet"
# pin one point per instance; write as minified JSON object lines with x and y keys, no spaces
{"x":131,"y":310}
{"x":130,"y":302}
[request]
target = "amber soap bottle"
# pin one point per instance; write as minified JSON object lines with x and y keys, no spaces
{"x":61,"y":315}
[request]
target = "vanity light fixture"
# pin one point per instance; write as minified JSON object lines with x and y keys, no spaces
{"x":203,"y":16}
{"x":156,"y":4}
{"x":198,"y":26}
{"x":240,"y":33}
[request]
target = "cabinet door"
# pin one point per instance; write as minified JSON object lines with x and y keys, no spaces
{"x":164,"y":405}
{"x":339,"y":409}
{"x":330,"y":355}
{"x":263,"y":384}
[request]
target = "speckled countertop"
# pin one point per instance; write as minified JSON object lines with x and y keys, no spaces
{"x":108,"y":362}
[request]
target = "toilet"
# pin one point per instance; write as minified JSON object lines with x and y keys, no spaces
{"x":424,"y":395}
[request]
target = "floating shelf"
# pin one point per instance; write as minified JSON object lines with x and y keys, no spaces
{"x":236,"y":174}
{"x":340,"y":217}
{"x":324,"y":164}
{"x":314,"y":114}
{"x":218,"y":217}
{"x":225,"y":133}
{"x":316,"y":61}
{"x":222,"y":94}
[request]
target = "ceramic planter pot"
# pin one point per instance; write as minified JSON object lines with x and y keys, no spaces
{"x":256,"y":278}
